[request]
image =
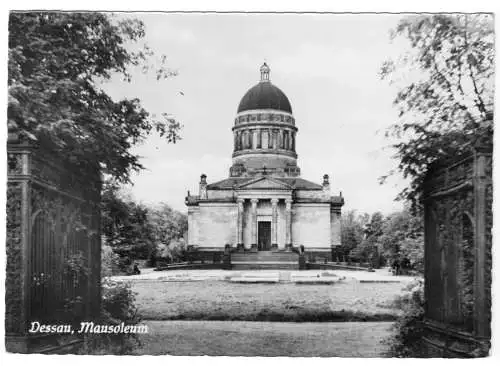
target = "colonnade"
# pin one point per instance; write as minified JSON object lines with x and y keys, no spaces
{"x":274,"y":222}
{"x":264,"y":138}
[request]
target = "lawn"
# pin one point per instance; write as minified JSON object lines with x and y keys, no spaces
{"x":196,"y":338}
{"x":218,"y":300}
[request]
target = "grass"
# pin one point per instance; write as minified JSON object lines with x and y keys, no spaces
{"x":196,"y":338}
{"x":216,"y":300}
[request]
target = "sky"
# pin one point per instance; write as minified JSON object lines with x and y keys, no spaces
{"x":328,"y":65}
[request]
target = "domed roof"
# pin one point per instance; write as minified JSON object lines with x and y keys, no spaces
{"x":265,"y":95}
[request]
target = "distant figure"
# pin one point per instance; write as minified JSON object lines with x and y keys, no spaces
{"x":137,"y":271}
{"x":405,"y":264}
{"x":395,"y":267}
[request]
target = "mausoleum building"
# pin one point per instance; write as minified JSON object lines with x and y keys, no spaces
{"x":264,"y":204}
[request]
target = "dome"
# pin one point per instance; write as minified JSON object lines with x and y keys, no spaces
{"x":265,"y":95}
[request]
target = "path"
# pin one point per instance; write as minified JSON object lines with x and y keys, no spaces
{"x":217,"y":338}
{"x":220,"y":275}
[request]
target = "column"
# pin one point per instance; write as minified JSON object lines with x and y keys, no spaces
{"x":240,"y":245}
{"x":254,"y":223}
{"x":259,"y":138}
{"x":270,"y":138}
{"x":248,"y":139}
{"x":244,"y":136}
{"x":274,"y":224}
{"x":288,"y":214}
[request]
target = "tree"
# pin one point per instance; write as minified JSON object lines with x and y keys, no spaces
{"x":168,"y":224}
{"x":445,"y":98}
{"x":57,"y":62}
{"x":352,"y":230}
{"x":402,"y":237}
{"x":169,"y":230}
{"x":138,"y":231}
{"x":368,"y":249}
{"x":126,"y":225}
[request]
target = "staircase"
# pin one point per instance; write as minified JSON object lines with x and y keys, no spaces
{"x":264,"y":260}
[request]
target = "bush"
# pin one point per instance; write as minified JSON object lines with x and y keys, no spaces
{"x":176,"y":251}
{"x":110,"y":262}
{"x":117,"y":306}
{"x":407,"y":336}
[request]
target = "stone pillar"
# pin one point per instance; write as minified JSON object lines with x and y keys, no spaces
{"x":248,"y":139}
{"x":17,"y":285}
{"x":270,"y":138}
{"x":288,"y":214}
{"x":326,"y":184}
{"x":481,"y":311}
{"x":259,"y":138}
{"x":274,"y":224}
{"x":239,"y":239}
{"x":254,"y":223}
{"x":203,"y":186}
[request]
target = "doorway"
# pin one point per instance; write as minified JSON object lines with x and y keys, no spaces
{"x":264,"y":229}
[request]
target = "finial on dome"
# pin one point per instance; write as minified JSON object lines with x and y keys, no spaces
{"x":264,"y":72}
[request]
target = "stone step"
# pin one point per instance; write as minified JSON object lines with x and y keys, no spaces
{"x":264,"y":259}
{"x":264,"y":265}
{"x":271,"y":260}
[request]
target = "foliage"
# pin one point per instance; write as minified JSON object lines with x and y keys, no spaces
{"x":352,"y":230}
{"x":402,"y":237}
{"x":57,"y":64}
{"x":126,"y":225}
{"x":169,"y":230}
{"x":118,"y":302}
{"x":407,"y":331}
{"x":368,"y":250}
{"x":118,"y":305}
{"x":412,"y":249}
{"x":466,"y":278}
{"x":175,"y":251}
{"x":110,"y":262}
{"x":359,"y":236}
{"x":382,"y":240}
{"x":445,"y":98}
{"x":168,"y":224}
{"x":138,"y":231}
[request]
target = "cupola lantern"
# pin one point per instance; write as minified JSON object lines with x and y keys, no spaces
{"x":264,"y":72}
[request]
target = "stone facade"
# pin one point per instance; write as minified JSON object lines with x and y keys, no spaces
{"x":264,"y":204}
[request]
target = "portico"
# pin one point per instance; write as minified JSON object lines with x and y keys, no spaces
{"x":264,"y":209}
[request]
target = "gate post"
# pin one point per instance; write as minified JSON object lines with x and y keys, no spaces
{"x":17,"y":247}
{"x":53,"y":220}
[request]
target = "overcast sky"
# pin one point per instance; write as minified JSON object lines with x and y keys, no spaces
{"x":328,"y":67}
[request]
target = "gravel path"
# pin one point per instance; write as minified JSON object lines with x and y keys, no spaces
{"x":221,"y":275}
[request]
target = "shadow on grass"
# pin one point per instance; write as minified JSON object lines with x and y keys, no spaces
{"x":290,"y":316}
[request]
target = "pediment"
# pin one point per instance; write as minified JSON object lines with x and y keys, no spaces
{"x":265,"y":183}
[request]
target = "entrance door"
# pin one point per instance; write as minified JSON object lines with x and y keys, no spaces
{"x":264,"y":235}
